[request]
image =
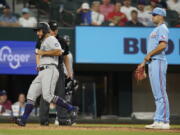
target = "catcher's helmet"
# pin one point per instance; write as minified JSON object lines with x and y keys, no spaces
{"x":44,"y":27}
{"x":53,"y":25}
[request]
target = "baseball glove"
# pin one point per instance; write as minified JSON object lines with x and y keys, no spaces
{"x":140,"y":73}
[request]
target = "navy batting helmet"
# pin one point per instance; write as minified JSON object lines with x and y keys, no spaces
{"x":44,"y":27}
{"x":53,"y":25}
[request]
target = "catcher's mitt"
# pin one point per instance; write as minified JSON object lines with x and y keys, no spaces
{"x":140,"y":73}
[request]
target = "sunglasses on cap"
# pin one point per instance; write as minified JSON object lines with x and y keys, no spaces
{"x":154,"y":14}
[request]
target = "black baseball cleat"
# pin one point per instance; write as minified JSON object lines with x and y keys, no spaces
{"x":74,"y":113}
{"x":65,"y":122}
{"x":44,"y":123}
{"x":20,"y":122}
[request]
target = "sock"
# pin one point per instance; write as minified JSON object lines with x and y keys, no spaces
{"x":27,"y":111}
{"x":64,"y":104}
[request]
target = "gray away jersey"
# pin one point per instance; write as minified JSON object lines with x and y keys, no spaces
{"x":50,"y":43}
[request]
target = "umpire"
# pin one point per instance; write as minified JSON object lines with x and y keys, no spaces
{"x":60,"y":86}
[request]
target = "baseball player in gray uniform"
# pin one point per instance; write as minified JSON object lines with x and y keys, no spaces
{"x":62,"y":114}
{"x":47,"y":77}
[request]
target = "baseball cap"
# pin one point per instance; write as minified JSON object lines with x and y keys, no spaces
{"x":38,"y":27}
{"x":158,"y":11}
{"x":25,"y":10}
{"x":53,"y":25}
{"x":156,"y":1}
{"x":85,"y":6}
{"x":3,"y":92}
{"x":42,"y":26}
{"x":141,"y":2}
{"x":6,"y":7}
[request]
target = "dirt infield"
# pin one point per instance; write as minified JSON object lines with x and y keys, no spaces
{"x":85,"y":127}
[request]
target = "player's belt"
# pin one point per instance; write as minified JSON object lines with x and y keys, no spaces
{"x":42,"y":67}
{"x":153,"y":59}
{"x":46,"y":66}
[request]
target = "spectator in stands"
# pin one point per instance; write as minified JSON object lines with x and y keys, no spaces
{"x":7,"y":19}
{"x":21,"y":103}
{"x":172,"y":16}
{"x":26,"y":20}
{"x":134,"y":21}
{"x":174,"y":5}
{"x":5,"y":104}
{"x":84,"y":15}
{"x":3,"y":3}
{"x":106,"y":7}
{"x":43,"y":6}
{"x":117,"y":18}
{"x":153,"y":4}
{"x":178,"y":25}
{"x":127,"y":8}
{"x":19,"y":107}
{"x":97,"y":17}
{"x":143,"y":16}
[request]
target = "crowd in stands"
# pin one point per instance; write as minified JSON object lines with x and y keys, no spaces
{"x":26,"y":20}
{"x":5,"y":104}
{"x":7,"y":108}
{"x":8,"y":19}
{"x":91,"y":12}
{"x":122,"y":13}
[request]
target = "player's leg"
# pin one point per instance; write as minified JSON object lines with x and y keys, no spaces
{"x":164,"y":106}
{"x":152,"y":69}
{"x":33,"y":92}
{"x":152,"y":83}
{"x":157,"y":75}
{"x":159,"y":91}
{"x":49,"y":80}
{"x":44,"y":112}
{"x":44,"y":105}
{"x":60,"y":91}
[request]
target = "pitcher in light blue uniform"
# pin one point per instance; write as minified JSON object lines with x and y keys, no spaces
{"x":157,"y":42}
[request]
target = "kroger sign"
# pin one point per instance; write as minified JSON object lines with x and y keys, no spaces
{"x":17,"y":57}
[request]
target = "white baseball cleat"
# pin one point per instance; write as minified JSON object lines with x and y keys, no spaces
{"x":164,"y":125}
{"x":158,"y":125}
{"x":151,"y":126}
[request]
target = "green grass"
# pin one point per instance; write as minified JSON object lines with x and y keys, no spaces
{"x":120,"y":125}
{"x":79,"y":132}
{"x":85,"y":129}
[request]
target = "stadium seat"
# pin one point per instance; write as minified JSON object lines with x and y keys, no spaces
{"x":172,"y":17}
{"x":71,"y":5}
{"x":67,"y":19}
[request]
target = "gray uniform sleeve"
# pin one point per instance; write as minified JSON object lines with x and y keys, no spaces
{"x":53,"y":43}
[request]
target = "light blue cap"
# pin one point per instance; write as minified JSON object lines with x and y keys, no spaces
{"x":25,"y":10}
{"x":159,"y":11}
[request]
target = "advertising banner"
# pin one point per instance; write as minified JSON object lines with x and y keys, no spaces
{"x":120,"y":45}
{"x":17,"y":57}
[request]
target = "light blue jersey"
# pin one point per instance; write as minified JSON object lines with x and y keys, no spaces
{"x":157,"y":74}
{"x":160,"y":33}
